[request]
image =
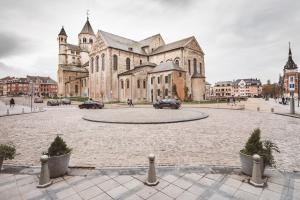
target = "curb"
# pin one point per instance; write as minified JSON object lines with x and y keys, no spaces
{"x":25,"y":113}
{"x":287,"y":115}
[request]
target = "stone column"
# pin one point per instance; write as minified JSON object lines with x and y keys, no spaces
{"x":44,"y":180}
{"x":152,"y":179}
{"x":256,"y":178}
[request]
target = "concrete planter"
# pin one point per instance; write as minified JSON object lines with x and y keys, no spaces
{"x":1,"y":162}
{"x":58,"y":165}
{"x":247,"y":164}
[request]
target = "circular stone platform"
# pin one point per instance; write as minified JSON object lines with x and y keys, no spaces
{"x":144,"y":115}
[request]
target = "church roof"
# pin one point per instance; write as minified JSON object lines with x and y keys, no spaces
{"x":122,"y":43}
{"x":147,"y":41}
{"x":174,"y":45}
{"x":290,"y":64}
{"x":73,"y":47}
{"x":62,"y":32}
{"x":137,"y":68}
{"x":87,"y":28}
{"x":167,"y":66}
{"x":74,"y":69}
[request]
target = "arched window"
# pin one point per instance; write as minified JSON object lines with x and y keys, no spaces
{"x":92,"y":65}
{"x":115,"y":62}
{"x":176,"y":62}
{"x":138,"y":83}
{"x":141,"y":62}
{"x":84,"y":40}
{"x":103,"y":61}
{"x":97,"y":63}
{"x":189,"y":66}
{"x":200,"y":71}
{"x":91,"y":41}
{"x":127,"y":83}
{"x":127,"y":63}
{"x":195,"y":65}
{"x":144,"y":84}
{"x":122,"y":84}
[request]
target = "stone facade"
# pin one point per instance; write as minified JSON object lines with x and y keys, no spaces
{"x":108,"y":67}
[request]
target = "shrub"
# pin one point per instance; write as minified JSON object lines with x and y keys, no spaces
{"x":263,"y":148}
{"x":7,"y":151}
{"x":58,"y":147}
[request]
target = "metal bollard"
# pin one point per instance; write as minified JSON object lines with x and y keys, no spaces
{"x":7,"y":112}
{"x":152,"y":179}
{"x":258,"y":109}
{"x":44,"y":180}
{"x":256,"y":178}
{"x":272,"y":109}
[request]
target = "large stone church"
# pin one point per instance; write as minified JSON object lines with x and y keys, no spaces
{"x":108,"y":67}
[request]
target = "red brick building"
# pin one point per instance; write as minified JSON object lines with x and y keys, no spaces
{"x":15,"y":86}
{"x":43,"y":86}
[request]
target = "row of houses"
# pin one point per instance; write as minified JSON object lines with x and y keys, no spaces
{"x":250,"y":87}
{"x":38,"y":85}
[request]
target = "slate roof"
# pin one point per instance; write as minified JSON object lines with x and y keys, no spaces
{"x":43,"y":79}
{"x":290,"y":64}
{"x":122,"y":43}
{"x":62,"y":32}
{"x":167,"y":66}
{"x":249,"y":81}
{"x":74,"y":69}
{"x":174,"y":45}
{"x":148,"y":40}
{"x":136,"y":68}
{"x":73,"y":47}
{"x":87,"y":28}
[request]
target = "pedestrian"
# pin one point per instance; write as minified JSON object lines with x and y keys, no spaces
{"x":11,"y":102}
{"x":228,"y":100}
{"x":233,"y":98}
{"x":128,"y":102}
{"x":131,"y":104}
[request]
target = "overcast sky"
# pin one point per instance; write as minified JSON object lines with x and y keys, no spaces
{"x":241,"y":38}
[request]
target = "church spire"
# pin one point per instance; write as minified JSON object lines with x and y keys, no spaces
{"x":87,"y":28}
{"x":290,"y":63}
{"x":290,"y":51}
{"x":62,"y":31}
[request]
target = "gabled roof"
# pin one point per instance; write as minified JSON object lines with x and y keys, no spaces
{"x":167,"y":66}
{"x":87,"y":28}
{"x":147,"y":41}
{"x":249,"y":81}
{"x":62,"y":32}
{"x":73,"y":47}
{"x":174,"y":45}
{"x":137,"y":68}
{"x":122,"y":43}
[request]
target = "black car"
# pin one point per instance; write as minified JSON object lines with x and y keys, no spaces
{"x":91,"y":105}
{"x":53,"y":102}
{"x":167,"y":103}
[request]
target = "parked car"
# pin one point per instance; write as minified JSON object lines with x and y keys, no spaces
{"x":65,"y":101}
{"x":38,"y":100}
{"x":52,"y":102}
{"x":167,"y":103}
{"x":91,"y":104}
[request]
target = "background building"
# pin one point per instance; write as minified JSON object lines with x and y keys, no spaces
{"x":113,"y":68}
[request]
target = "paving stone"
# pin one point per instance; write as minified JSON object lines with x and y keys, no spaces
{"x":72,"y":180}
{"x":65,"y":193}
{"x":275,"y":187}
{"x":170,"y":178}
{"x":8,"y":186}
{"x":296,"y":185}
{"x":134,"y":183}
{"x":123,"y":179}
{"x":133,"y":197}
{"x":218,"y":197}
{"x":146,"y":192}
{"x":187,"y":196}
{"x":216,"y":177}
{"x":160,"y":196}
{"x":108,"y":185}
{"x":90,"y":192}
{"x":206,"y":181}
{"x":183,"y":183}
{"x":102,"y":196}
{"x":233,"y":182}
{"x":117,"y":192}
{"x":228,"y":190}
{"x":193,"y":176}
{"x":162,"y":184}
{"x":172,"y":191}
{"x":10,"y":194}
{"x":99,"y":179}
{"x":242,"y":195}
{"x":251,"y":189}
{"x":73,"y":197}
{"x":197,"y":190}
{"x":82,"y":185}
{"x":270,"y":195}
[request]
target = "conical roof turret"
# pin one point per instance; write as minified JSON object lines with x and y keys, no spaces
{"x":62,"y":32}
{"x":87,"y":28}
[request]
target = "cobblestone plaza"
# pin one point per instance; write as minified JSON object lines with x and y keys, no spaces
{"x":215,"y":140}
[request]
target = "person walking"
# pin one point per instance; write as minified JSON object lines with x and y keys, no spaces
{"x":131,"y":104}
{"x":12,"y":103}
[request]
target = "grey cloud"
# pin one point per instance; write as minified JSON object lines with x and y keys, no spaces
{"x":12,"y":44}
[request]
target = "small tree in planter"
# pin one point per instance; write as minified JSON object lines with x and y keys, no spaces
{"x":263,"y":148}
{"x":7,"y":151}
{"x":59,"y":156}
